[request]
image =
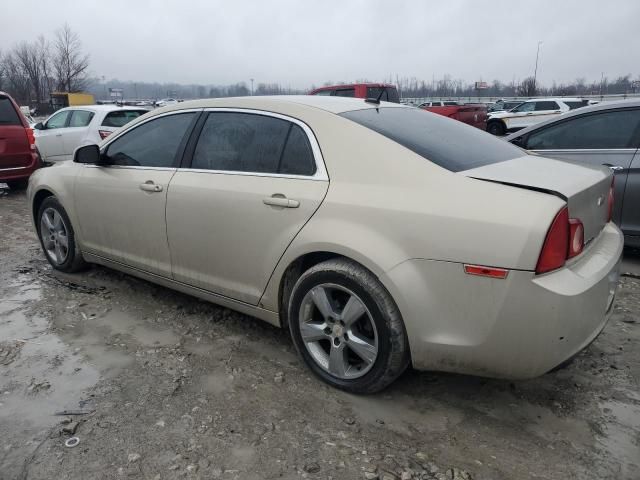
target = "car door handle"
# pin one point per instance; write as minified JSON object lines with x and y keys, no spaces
{"x":58,"y":134}
{"x":615,"y":168}
{"x":530,"y":113}
{"x":149,"y":186}
{"x":278,"y":200}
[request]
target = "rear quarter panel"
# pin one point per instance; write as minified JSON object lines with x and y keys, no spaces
{"x":386,"y":204}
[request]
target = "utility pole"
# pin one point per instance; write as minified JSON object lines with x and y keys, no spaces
{"x":251,"y":86}
{"x":601,"y":84}
{"x":535,"y":72}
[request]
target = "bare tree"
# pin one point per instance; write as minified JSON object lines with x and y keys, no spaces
{"x":17,"y":83}
{"x":527,"y":87}
{"x":70,"y":64}
{"x":33,"y":59}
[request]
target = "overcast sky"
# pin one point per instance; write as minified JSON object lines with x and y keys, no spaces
{"x":305,"y":42}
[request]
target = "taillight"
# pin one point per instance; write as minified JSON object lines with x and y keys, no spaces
{"x":611,"y":199}
{"x":31,"y":138}
{"x":576,"y":237}
{"x":556,"y":246}
{"x":104,"y":133}
{"x":565,"y":239}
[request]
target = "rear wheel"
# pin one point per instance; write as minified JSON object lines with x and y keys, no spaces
{"x":496,"y":128}
{"x":347,"y":328}
{"x":57,"y":237}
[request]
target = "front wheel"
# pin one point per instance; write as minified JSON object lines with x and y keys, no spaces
{"x":57,"y":237}
{"x":347,"y":328}
{"x":496,"y":128}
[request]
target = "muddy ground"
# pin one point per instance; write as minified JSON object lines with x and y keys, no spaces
{"x":166,"y":386}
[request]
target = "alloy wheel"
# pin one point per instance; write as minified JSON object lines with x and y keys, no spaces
{"x":54,"y":235}
{"x":338,"y":331}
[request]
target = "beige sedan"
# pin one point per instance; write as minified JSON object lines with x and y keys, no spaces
{"x":380,"y":235}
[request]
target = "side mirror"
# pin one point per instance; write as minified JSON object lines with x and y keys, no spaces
{"x":39,"y":126}
{"x":89,"y":154}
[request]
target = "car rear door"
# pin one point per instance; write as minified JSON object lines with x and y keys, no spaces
{"x":49,"y":139}
{"x":15,"y":151}
{"x":252,"y":180}
{"x":121,"y":203}
{"x":76,"y":132}
{"x":598,"y":138}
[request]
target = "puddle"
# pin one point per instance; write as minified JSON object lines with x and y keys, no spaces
{"x":39,"y":373}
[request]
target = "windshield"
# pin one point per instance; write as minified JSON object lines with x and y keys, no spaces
{"x":448,"y":143}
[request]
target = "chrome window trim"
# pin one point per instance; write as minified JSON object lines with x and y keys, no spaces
{"x":131,"y":167}
{"x":588,"y":150}
{"x":321,"y":173}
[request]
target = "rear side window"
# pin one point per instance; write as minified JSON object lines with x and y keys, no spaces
{"x":345,"y":92}
{"x":373,"y":92}
{"x":323,"y":93}
{"x":80,"y":118}
{"x":599,"y":130}
{"x":450,"y":144}
{"x":119,"y":118}
{"x":574,"y":105}
{"x":546,"y":105}
{"x":297,"y":157}
{"x":153,"y":144}
{"x":240,"y":142}
{"x":393,"y":95}
{"x":8,"y":115}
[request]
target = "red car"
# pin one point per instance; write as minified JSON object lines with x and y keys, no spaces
{"x":19,"y":157}
{"x":361,"y":90}
{"x":473,"y":114}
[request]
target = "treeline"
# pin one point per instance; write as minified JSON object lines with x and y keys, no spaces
{"x":448,"y":87}
{"x":30,"y":71}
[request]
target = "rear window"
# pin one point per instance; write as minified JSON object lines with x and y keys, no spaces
{"x":119,"y":118}
{"x":8,"y":115}
{"x":448,"y":143}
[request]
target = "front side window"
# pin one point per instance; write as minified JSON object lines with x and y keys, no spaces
{"x":546,"y":105}
{"x":155,"y":143}
{"x":600,"y":130}
{"x":346,"y":92}
{"x":59,"y":120}
{"x":245,"y":142}
{"x":80,"y":118}
{"x":119,"y":118}
{"x":525,"y":107}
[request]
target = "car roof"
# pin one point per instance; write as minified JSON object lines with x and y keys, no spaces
{"x":101,"y":108}
{"x":330,"y":104}
{"x":600,"y":107}
{"x":561,"y":99}
{"x":349,"y":85}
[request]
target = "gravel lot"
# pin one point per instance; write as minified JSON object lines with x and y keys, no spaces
{"x":160,"y":385}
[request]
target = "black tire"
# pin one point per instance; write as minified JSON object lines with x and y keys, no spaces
{"x":496,"y":128}
{"x":18,"y":184}
{"x":392,"y":356}
{"x":73,"y":261}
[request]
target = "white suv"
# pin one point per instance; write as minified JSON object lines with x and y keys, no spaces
{"x":531,"y":112}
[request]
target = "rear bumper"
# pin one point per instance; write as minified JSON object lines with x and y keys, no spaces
{"x":20,"y":173}
{"x":519,"y":327}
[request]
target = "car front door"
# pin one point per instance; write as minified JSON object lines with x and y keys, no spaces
{"x":253,"y":181}
{"x":49,"y":139}
{"x":598,"y":138}
{"x":518,"y":117}
{"x":76,"y":132}
{"x":121,"y":203}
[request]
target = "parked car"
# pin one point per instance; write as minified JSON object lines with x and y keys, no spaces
{"x":529,"y":113}
{"x":166,"y":102}
{"x":68,"y":128}
{"x":19,"y":156}
{"x":375,"y":244}
{"x":386,"y":91}
{"x":474,"y":114}
{"x":604,"y":134}
{"x":504,"y":105}
{"x":444,"y":103}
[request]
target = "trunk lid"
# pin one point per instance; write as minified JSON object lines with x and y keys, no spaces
{"x":585,"y":188}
